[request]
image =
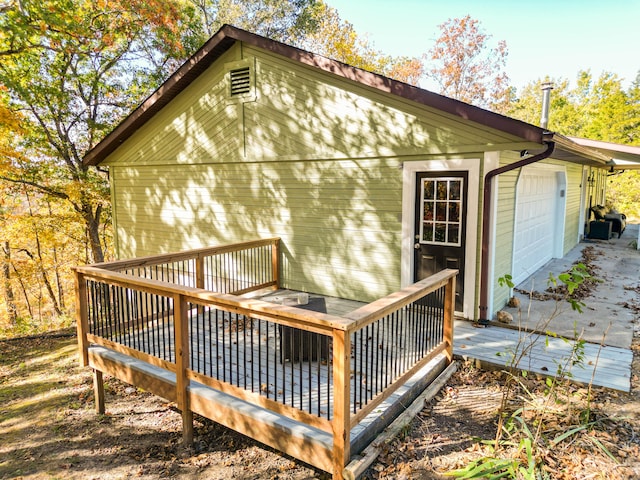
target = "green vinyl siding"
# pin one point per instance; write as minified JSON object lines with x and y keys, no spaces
{"x":200,"y":125}
{"x":300,"y":111}
{"x":297,"y":113}
{"x":339,"y":221}
{"x":307,"y":156}
{"x":504,"y":227}
{"x":572,"y":213}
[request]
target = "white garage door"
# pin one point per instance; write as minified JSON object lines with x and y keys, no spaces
{"x":536,"y":221}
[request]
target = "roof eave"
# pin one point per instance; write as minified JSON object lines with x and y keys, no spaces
{"x":571,"y":151}
{"x":624,"y":156}
{"x":228,"y":35}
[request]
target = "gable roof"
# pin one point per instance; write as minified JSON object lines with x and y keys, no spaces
{"x":227,"y":36}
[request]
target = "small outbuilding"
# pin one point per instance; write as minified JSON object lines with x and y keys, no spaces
{"x":370,"y":183}
{"x":258,"y":168}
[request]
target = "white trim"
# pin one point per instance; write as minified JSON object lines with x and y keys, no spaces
{"x":491,"y":162}
{"x":561,"y":215}
{"x":583,"y":204}
{"x":472,"y":166}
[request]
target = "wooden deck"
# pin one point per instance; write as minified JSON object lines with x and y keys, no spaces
{"x":316,"y":382}
{"x":493,"y":345}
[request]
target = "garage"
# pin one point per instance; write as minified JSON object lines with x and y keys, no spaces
{"x":539,"y":222}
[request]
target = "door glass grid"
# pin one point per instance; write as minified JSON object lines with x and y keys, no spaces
{"x":441,"y":211}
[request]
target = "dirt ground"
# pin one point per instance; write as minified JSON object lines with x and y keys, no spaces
{"x":49,"y":430}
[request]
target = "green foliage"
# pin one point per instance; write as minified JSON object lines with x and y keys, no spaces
{"x":623,"y":193}
{"x":467,"y":67}
{"x":598,"y":109}
{"x":70,"y":70}
{"x":506,"y":280}
{"x":572,"y":281}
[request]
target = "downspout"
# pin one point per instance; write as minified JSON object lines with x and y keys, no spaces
{"x":486,"y":223}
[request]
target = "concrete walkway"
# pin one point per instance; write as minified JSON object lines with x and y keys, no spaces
{"x":608,"y":322}
{"x":611,"y":314}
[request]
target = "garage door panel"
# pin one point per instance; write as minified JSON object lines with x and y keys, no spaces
{"x":535,"y":220}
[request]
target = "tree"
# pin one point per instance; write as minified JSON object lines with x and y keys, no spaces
{"x":9,"y":128}
{"x":467,"y":68}
{"x":336,"y":38}
{"x":598,"y":109}
{"x":563,"y":111}
{"x":280,"y":20}
{"x":69,"y":71}
{"x":73,"y":68}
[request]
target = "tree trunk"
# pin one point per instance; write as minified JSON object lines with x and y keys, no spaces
{"x":92,"y":221}
{"x":12,"y":309}
{"x":45,"y":277}
{"x":56,"y":270}
{"x":24,"y":293}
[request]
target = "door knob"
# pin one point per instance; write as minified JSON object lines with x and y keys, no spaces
{"x":417,"y":246}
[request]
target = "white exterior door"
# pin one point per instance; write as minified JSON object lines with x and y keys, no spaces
{"x":539,"y":223}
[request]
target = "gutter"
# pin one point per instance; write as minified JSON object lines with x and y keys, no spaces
{"x":486,"y":223}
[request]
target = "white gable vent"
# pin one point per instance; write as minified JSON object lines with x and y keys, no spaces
{"x":240,"y":81}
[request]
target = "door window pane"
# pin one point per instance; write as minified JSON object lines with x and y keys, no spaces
{"x":455,"y":189}
{"x":452,"y":234}
{"x":428,"y":211}
{"x":429,"y":189}
{"x":427,"y":233}
{"x":454,"y":212}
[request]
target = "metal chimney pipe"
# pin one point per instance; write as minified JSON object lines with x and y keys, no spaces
{"x":546,"y":92}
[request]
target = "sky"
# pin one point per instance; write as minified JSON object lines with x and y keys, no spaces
{"x":545,"y":38}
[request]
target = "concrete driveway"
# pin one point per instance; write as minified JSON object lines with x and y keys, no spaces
{"x":612,"y":311}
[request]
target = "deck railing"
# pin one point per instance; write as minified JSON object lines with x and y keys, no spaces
{"x":237,"y":268}
{"x":326,"y":371}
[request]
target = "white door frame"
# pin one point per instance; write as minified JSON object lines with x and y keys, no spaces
{"x":409,"y":170}
{"x":583,"y":204}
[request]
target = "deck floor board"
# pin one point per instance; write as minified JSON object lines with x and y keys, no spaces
{"x":495,"y":345}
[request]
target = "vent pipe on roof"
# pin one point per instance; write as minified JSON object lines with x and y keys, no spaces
{"x":546,"y":92}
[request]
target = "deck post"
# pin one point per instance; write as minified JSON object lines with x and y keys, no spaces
{"x":180,"y":322}
{"x":449,"y":309}
{"x":341,"y":402}
{"x":98,"y":391}
{"x":82,"y":318}
{"x":275,"y":261}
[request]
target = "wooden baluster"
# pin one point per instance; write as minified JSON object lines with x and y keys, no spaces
{"x":275,"y":262}
{"x":199,"y":271}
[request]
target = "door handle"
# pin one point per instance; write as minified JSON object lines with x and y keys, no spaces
{"x":417,"y":246}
